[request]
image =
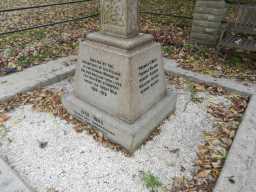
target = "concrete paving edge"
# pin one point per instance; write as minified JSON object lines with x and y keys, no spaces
{"x":36,"y":77}
{"x":239,"y":171}
{"x":9,"y":180}
{"x":172,"y":67}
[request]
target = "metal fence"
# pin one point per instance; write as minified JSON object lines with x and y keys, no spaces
{"x":24,"y":18}
{"x":17,"y":16}
{"x":28,"y":17}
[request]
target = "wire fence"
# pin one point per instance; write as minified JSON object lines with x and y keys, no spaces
{"x":52,"y":28}
{"x":41,"y":6}
{"x":23,"y":18}
{"x":19,"y":16}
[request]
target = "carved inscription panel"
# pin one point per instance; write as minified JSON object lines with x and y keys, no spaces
{"x":148,"y":75}
{"x":92,"y":120}
{"x":101,"y":77}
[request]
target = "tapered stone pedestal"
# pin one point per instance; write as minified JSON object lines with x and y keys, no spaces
{"x":120,"y":88}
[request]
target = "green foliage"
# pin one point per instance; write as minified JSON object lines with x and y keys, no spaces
{"x":194,"y":97}
{"x":167,"y":50}
{"x":188,"y":46}
{"x":39,"y":34}
{"x":234,"y":61}
{"x":24,"y":60}
{"x":152,"y":182}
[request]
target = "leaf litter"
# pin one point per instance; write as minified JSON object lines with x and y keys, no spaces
{"x":211,"y":154}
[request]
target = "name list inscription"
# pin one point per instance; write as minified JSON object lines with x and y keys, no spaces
{"x":101,"y":76}
{"x":93,"y":120}
{"x":148,"y":75}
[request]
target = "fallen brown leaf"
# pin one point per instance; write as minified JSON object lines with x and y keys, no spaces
{"x":204,"y":173}
{"x":4,"y":117}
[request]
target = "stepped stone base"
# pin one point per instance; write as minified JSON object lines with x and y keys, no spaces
{"x":129,"y":136}
{"x":120,"y":87}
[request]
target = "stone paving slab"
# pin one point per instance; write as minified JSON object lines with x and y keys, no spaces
{"x":9,"y":181}
{"x":35,"y":77}
{"x":172,"y":67}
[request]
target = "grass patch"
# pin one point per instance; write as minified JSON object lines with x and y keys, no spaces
{"x":152,"y":182}
{"x":234,"y":61}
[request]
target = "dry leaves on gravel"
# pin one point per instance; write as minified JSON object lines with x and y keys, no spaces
{"x":212,"y":154}
{"x":45,"y":100}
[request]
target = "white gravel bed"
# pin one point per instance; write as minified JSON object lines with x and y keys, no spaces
{"x":75,"y":162}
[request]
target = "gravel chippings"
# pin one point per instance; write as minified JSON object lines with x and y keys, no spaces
{"x":50,"y":155}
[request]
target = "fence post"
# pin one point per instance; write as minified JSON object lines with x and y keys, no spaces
{"x":207,"y":18}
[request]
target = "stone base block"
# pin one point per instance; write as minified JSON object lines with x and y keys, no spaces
{"x":130,"y":136}
{"x":124,"y":83}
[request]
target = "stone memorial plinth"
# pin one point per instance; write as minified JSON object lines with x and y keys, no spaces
{"x":119,"y":85}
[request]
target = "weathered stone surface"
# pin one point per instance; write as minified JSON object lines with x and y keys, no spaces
{"x":198,"y":36}
{"x":204,"y":23}
{"x":120,"y":17}
{"x":205,"y":30}
{"x":35,"y":77}
{"x":202,"y":41}
{"x":123,"y":83}
{"x":128,"y":135}
{"x":120,"y":78}
{"x":211,"y":3}
{"x":210,"y":10}
{"x":207,"y":18}
{"x":171,"y":66}
{"x":9,"y":181}
{"x":121,"y":43}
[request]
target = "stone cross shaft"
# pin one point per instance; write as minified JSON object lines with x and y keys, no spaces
{"x":119,"y":17}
